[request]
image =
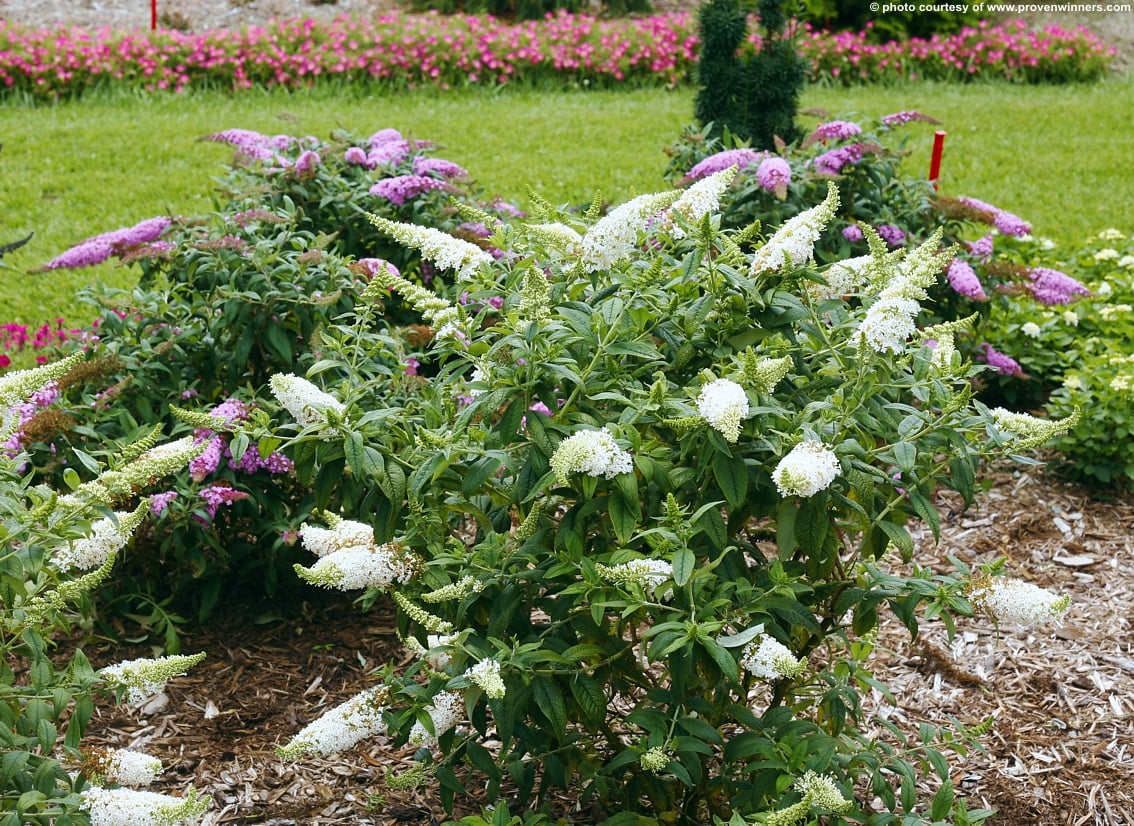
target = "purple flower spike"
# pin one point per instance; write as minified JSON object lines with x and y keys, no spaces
{"x":405,"y":187}
{"x":1054,"y":287}
{"x":774,"y":175}
{"x":740,"y":158}
{"x":964,"y":280}
{"x":1004,"y":365}
{"x":852,"y":233}
{"x":833,"y":130}
{"x":892,"y":235}
{"x":439,"y":167}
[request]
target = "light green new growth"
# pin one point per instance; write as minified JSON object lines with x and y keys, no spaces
{"x":409,"y":779}
{"x":16,"y":387}
{"x":421,"y":616}
{"x":328,"y":575}
{"x":817,"y":790}
{"x":535,"y":296}
{"x":1029,"y":431}
{"x":69,"y":591}
{"x":206,"y":421}
{"x":426,"y":302}
{"x":189,"y":808}
{"x":140,"y":446}
{"x":763,"y":374}
{"x":460,"y":589}
{"x":655,"y":759}
{"x":530,"y":525}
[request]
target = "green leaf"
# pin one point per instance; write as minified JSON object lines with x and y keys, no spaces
{"x":721,"y":657}
{"x":732,"y":475}
{"x":278,"y":342}
{"x":942,"y":801}
{"x":700,"y":729}
{"x":905,"y":456}
{"x":590,"y":696}
{"x":481,"y":471}
{"x":812,"y":525}
{"x":621,"y":517}
{"x":927,"y":511}
{"x":900,"y":537}
{"x":684,"y":561}
{"x":713,"y":526}
{"x":549,"y":698}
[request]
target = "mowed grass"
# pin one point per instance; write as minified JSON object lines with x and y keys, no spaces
{"x":1058,"y":156}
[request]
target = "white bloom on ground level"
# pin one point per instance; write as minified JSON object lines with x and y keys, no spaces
{"x":615,"y":236}
{"x":345,"y":533}
{"x":128,"y":807}
{"x":794,"y":242}
{"x":1018,"y":602}
{"x":702,"y":198}
{"x":809,"y":468}
{"x":724,"y":405}
{"x":593,"y":452}
{"x":769,"y":659}
{"x":128,"y":768}
{"x":144,"y":677}
{"x":442,"y":249}
{"x":1031,"y":330}
{"x":649,"y":573}
{"x":435,"y":657}
{"x":444,"y":711}
{"x":486,"y":674}
{"x":307,"y":404}
{"x":340,"y":728}
{"x":107,"y":537}
{"x":360,"y":566}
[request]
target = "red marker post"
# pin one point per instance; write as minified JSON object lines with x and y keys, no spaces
{"x":153,"y":15}
{"x":935,"y":158}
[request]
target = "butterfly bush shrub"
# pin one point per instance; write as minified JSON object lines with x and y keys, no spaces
{"x":223,"y":302}
{"x":58,"y":544}
{"x":642,"y":518}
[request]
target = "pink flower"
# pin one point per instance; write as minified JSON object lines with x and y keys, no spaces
{"x":852,"y":233}
{"x":833,"y":130}
{"x":892,"y":235}
{"x":774,"y":175}
{"x":740,"y":158}
{"x":1004,"y":365}
{"x":908,"y":116}
{"x":963,"y":279}
{"x":405,"y":187}
{"x":1054,"y":287}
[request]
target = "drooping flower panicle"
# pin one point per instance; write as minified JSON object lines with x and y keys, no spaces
{"x":340,"y":728}
{"x":593,"y":452}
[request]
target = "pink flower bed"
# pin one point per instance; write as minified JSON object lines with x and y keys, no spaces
{"x":406,"y":50}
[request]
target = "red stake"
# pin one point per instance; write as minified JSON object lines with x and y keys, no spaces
{"x":153,"y":15}
{"x":935,"y":159}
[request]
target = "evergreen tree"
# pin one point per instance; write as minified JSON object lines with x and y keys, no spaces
{"x":755,"y":97}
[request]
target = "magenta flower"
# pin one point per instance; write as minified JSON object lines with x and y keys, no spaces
{"x":1054,"y":287}
{"x":963,"y":279}
{"x":307,"y":161}
{"x":217,"y":495}
{"x":357,"y":156}
{"x":439,"y":167}
{"x":908,"y":116}
{"x":833,"y":130}
{"x":405,"y":187}
{"x":852,"y":233}
{"x":160,"y":501}
{"x":740,"y":158}
{"x":981,"y":248}
{"x":373,"y":265}
{"x":1005,"y":221}
{"x":832,"y":162}
{"x":1004,"y":365}
{"x":774,"y":175}
{"x":892,"y":235}
{"x":99,"y":248}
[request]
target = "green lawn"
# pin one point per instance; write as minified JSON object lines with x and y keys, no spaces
{"x":1055,"y":155}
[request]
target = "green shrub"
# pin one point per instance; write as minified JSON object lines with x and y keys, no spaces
{"x":639,"y":521}
{"x":224,"y":302}
{"x":895,"y":24}
{"x":755,"y":96}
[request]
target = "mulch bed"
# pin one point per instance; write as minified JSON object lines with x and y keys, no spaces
{"x":1061,"y":751}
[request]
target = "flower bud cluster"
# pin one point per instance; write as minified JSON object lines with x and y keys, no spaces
{"x":769,"y":659}
{"x":593,"y":452}
{"x":809,"y":468}
{"x":724,"y":405}
{"x":794,"y":242}
{"x":144,"y":677}
{"x":306,"y":403}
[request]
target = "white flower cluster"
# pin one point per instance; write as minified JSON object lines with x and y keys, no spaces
{"x":809,"y":468}
{"x":593,"y":452}
{"x":344,"y":533}
{"x":434,"y":656}
{"x":794,"y":242}
{"x":128,"y":807}
{"x":1020,"y":603}
{"x":889,"y":322}
{"x":442,"y":249}
{"x":702,"y":198}
{"x":307,"y":404}
{"x":613,"y":237}
{"x":560,"y":237}
{"x":468,"y":584}
{"x":486,"y":674}
{"x":769,"y":659}
{"x":820,"y":790}
{"x":144,"y":677}
{"x":128,"y":768}
{"x":655,"y":759}
{"x":107,"y":537}
{"x":842,"y":277}
{"x":340,"y":728}
{"x":1030,"y":431}
{"x":362,"y":566}
{"x":444,"y":711}
{"x":724,"y":405}
{"x":648,"y":573}
{"x":17,"y":386}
